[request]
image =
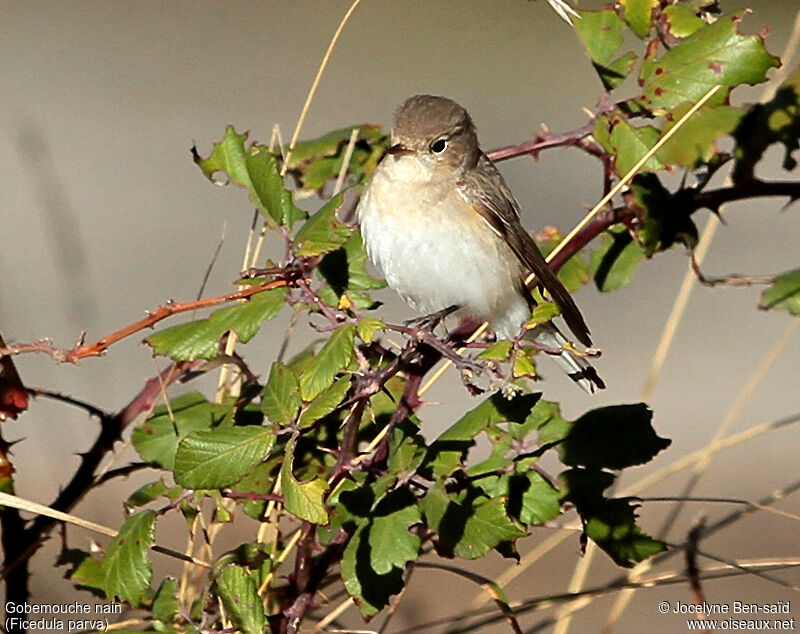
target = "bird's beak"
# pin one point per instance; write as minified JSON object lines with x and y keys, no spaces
{"x":398,"y":149}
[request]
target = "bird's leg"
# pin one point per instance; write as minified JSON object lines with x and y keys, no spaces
{"x":429,"y":322}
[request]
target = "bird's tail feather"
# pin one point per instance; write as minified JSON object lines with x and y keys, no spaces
{"x":576,"y":367}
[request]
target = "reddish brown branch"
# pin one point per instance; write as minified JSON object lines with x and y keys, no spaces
{"x":99,"y":347}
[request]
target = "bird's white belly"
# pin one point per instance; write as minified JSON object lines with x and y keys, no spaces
{"x":436,"y":252}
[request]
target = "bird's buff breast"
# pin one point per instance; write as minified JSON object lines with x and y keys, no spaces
{"x":434,"y":250}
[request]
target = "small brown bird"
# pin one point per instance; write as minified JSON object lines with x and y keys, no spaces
{"x":441,"y":224}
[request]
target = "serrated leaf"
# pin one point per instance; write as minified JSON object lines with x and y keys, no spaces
{"x":304,"y":500}
{"x":613,"y":437}
{"x":716,"y":54}
{"x":616,"y":71}
{"x":239,"y":594}
{"x":681,"y":20}
{"x":615,"y":531}
{"x":156,"y":439}
{"x":574,"y":273}
{"x":331,"y":143}
{"x":540,"y":501}
{"x":695,"y":141}
{"x":391,"y":543}
{"x":469,"y":529}
{"x":334,"y":356}
{"x":631,"y":144}
{"x":498,"y":351}
{"x":610,"y":523}
{"x":784,"y":294}
{"x":616,"y":259}
{"x":165,"y":603}
{"x":777,"y":121}
{"x":281,"y":397}
{"x":345,"y":271}
{"x":445,"y":454}
{"x":256,"y":169}
{"x":542,"y":313}
{"x":370,"y":590}
{"x":325,"y":403}
{"x":87,"y":572}
{"x":146,"y":493}
{"x":200,"y":339}
{"x":601,"y":34}
{"x":126,"y":568}
{"x":523,"y":364}
{"x":666,"y":221}
{"x":547,"y":419}
{"x":406,"y":449}
{"x":322,"y":232}
{"x":367,"y":327}
{"x":221,"y":457}
{"x":260,"y":480}
{"x":637,"y":15}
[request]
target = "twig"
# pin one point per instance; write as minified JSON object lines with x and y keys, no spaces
{"x":99,"y":347}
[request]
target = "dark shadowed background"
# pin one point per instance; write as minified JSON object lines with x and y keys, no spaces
{"x":103,"y":215}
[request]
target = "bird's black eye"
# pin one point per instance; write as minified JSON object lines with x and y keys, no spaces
{"x":439,"y":146}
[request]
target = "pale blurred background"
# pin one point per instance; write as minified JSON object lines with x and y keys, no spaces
{"x":104,"y":215}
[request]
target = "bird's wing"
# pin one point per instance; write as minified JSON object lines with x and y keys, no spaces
{"x":485,"y":191}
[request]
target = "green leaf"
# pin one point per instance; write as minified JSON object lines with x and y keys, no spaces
{"x":406,"y":449}
{"x":784,"y":294}
{"x":446,"y":452}
{"x":498,"y":351}
{"x":156,"y":439}
{"x":716,"y":54}
{"x":637,"y":15}
{"x":200,"y":339}
{"x":334,"y":357}
{"x":304,"y":500}
{"x":331,"y":144}
{"x":542,"y":313}
{"x":325,"y":403}
{"x":151,"y":491}
{"x":610,"y":523}
{"x":574,"y":273}
{"x":86,"y":573}
{"x":540,"y":500}
{"x":345,"y":271}
{"x":367,"y":327}
{"x":614,"y":262}
{"x":127,"y":570}
{"x":777,"y":121}
{"x":471,"y":528}
{"x":239,"y":594}
{"x":391,"y":543}
{"x":322,"y":232}
{"x":601,"y":34}
{"x":256,"y":169}
{"x":666,"y":221}
{"x":260,"y":480}
{"x":547,"y":419}
{"x":220,"y":457}
{"x":613,"y":437}
{"x":695,"y":141}
{"x":681,"y":20}
{"x":631,"y":144}
{"x":523,"y":364}
{"x":615,"y":72}
{"x":370,"y":590}
{"x":165,"y":603}
{"x":281,"y":397}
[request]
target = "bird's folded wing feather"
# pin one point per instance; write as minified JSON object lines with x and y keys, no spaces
{"x":485,"y":190}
